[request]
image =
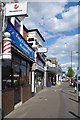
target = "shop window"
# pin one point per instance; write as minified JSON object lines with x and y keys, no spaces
{"x":23,"y":72}
{"x":23,"y":62}
{"x":39,"y":78}
{"x":6,"y":74}
{"x":20,"y":70}
{"x":16,"y":58}
{"x":28,"y":70}
{"x":16,"y":74}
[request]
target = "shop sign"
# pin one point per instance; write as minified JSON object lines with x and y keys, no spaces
{"x":42,"y":50}
{"x":16,"y":9}
{"x":39,"y":62}
{"x":19,"y":42}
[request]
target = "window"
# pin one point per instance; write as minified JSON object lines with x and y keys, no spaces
{"x":6,"y":74}
{"x":23,"y":72}
{"x":31,"y":44}
{"x":16,"y":58}
{"x":16,"y":74}
{"x":31,"y":39}
{"x":17,"y":25}
{"x":78,"y":77}
{"x":19,"y":66}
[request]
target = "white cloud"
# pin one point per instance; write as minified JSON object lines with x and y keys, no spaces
{"x":68,"y":64}
{"x":68,"y":22}
{"x":37,"y":11}
{"x":60,"y":46}
{"x":42,"y":16}
{"x":62,"y":51}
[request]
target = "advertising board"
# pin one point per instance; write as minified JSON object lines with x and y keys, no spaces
{"x":19,"y":41}
{"x":16,"y":9}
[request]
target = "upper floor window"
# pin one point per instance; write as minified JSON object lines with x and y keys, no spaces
{"x":31,"y":39}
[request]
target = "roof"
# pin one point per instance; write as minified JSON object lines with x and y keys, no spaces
{"x":53,"y":60}
{"x":37,"y":32}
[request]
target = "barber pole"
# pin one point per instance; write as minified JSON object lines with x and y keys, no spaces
{"x":6,"y":46}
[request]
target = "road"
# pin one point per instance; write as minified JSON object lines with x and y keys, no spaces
{"x":52,"y":102}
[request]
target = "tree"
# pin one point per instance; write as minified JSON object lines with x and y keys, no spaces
{"x":70,"y":72}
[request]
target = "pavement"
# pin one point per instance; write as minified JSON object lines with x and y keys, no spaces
{"x":52,"y":102}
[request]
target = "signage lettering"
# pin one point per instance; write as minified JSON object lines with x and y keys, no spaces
{"x":19,"y":42}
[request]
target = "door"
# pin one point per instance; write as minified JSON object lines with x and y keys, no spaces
{"x":16,"y":79}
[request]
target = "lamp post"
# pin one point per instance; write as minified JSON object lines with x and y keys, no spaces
{"x":71,"y":64}
{"x":2,"y":19}
{"x":78,"y":84}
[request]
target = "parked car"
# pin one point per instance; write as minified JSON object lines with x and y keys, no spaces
{"x":67,"y":79}
{"x":63,"y":79}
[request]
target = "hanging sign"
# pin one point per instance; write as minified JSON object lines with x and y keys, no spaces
{"x":16,"y":9}
{"x":42,"y":50}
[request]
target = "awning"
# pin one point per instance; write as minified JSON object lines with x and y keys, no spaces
{"x":37,"y":67}
{"x":54,"y":70}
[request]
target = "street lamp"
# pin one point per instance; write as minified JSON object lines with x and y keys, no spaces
{"x":71,"y":57}
{"x":71,"y":64}
{"x":76,"y":87}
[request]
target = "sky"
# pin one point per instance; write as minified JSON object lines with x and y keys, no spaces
{"x":59,"y":25}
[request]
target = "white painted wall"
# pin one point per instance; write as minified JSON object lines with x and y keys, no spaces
{"x":49,"y":63}
{"x":35,"y":35}
{"x":33,"y":89}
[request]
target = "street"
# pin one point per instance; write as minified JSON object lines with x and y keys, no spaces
{"x":52,"y":102}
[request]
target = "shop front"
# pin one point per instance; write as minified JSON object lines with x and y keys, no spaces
{"x":51,"y":76}
{"x":38,"y":73}
{"x":16,"y":72}
{"x":39,"y":80}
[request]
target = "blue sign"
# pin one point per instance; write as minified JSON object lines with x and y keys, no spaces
{"x":19,"y":42}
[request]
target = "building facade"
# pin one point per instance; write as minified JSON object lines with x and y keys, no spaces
{"x":53,"y":72}
{"x":16,"y":74}
{"x":36,"y":40}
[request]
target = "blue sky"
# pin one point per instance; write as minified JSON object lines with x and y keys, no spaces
{"x":58,"y":23}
